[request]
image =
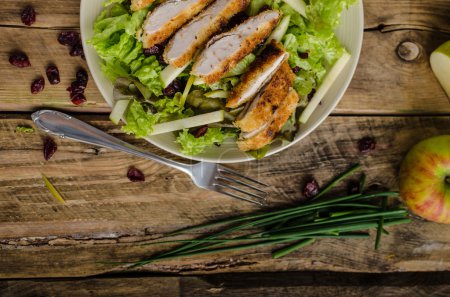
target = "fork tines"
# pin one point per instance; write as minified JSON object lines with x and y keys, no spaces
{"x":239,"y":186}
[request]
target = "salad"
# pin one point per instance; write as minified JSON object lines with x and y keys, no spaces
{"x":212,"y":70}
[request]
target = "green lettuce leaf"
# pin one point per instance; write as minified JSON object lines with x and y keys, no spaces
{"x":148,"y":70}
{"x":325,"y":14}
{"x":113,"y":69}
{"x":109,"y":2}
{"x":126,"y":50}
{"x":170,"y":109}
{"x":104,"y":28}
{"x":139,"y":122}
{"x":192,"y":146}
{"x":137,"y":18}
{"x":261,"y":153}
{"x":122,"y":54}
{"x":256,"y":5}
{"x":242,"y":66}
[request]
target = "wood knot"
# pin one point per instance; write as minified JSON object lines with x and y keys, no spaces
{"x":408,"y":51}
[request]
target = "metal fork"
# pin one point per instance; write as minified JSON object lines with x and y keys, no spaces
{"x":209,"y":176}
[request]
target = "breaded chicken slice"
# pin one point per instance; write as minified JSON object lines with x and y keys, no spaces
{"x":266,"y":135}
{"x":167,"y":18}
{"x":140,"y":4}
{"x":224,"y":51}
{"x":261,"y":109}
{"x":193,"y":36}
{"x":260,"y":72}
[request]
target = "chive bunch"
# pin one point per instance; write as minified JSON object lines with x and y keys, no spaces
{"x":335,"y":217}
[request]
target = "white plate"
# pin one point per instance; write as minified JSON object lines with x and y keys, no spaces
{"x":350,"y":33}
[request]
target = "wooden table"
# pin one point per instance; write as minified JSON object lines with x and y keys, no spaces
{"x":393,"y":97}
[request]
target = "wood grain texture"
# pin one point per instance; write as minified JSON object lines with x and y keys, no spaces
{"x":106,"y":216}
{"x":386,"y":84}
{"x":58,"y":14}
{"x":426,"y":14}
{"x":292,"y":284}
{"x":42,"y":49}
{"x":431,"y":15}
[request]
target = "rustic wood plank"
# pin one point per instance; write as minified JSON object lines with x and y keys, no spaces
{"x":58,"y":14}
{"x":386,"y":84}
{"x":256,"y":284}
{"x":106,"y":216}
{"x":43,"y":49}
{"x":421,"y":14}
{"x":383,"y":84}
{"x":426,"y":14}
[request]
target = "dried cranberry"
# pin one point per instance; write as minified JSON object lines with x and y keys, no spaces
{"x":82,"y":77}
{"x":28,"y":16}
{"x":19,"y":59}
{"x":173,"y":88}
{"x":37,"y":85}
{"x":161,"y":60}
{"x":77,"y":50}
{"x":70,"y":38}
{"x":311,"y":189}
{"x":76,"y":87}
{"x":78,"y":98}
{"x":237,"y":19}
{"x":303,"y":55}
{"x":366,"y":144}
{"x":53,"y":75}
{"x":201,"y":131}
{"x":296,"y":69}
{"x":50,"y":148}
{"x":135,"y":175}
{"x":353,"y":187}
{"x":264,"y":8}
{"x":311,"y":94}
{"x":154,"y":50}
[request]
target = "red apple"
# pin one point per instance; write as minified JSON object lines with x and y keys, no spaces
{"x":425,"y":179}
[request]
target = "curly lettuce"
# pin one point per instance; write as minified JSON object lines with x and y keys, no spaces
{"x":191,"y":146}
{"x":311,"y":42}
{"x":140,"y":122}
{"x":122,"y":54}
{"x":324,"y":15}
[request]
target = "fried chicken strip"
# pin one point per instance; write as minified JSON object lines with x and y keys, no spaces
{"x":266,"y":135}
{"x":261,"y":109}
{"x":260,"y":72}
{"x":193,"y":36}
{"x":224,"y":51}
{"x":167,"y":18}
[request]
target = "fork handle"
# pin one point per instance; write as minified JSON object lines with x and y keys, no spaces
{"x":65,"y":126}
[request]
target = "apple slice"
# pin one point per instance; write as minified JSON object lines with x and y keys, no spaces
{"x":217,"y":94}
{"x":169,"y":74}
{"x":195,"y":121}
{"x":118,"y":111}
{"x":440,"y":64}
{"x":280,"y":30}
{"x":327,"y":82}
{"x":298,"y":5}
